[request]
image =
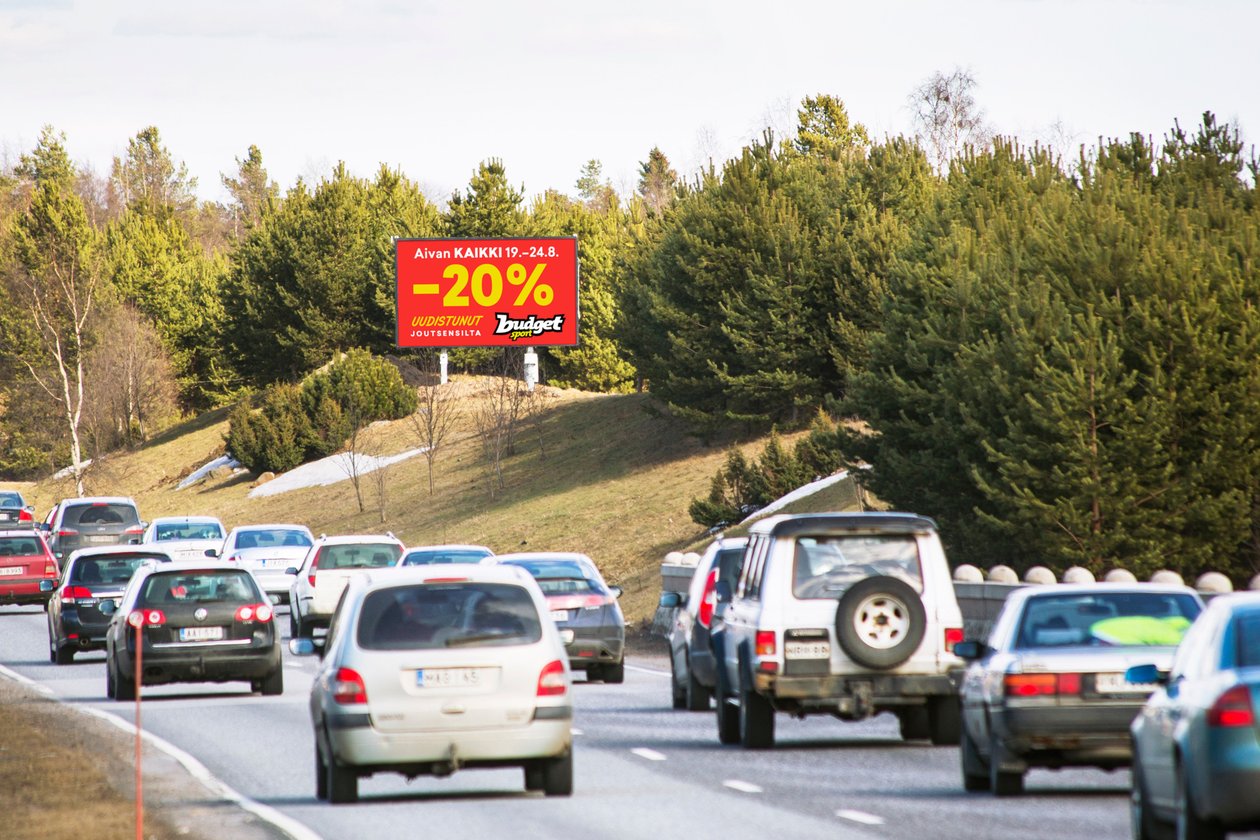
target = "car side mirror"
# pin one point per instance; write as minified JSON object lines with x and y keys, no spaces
{"x":212,"y":552}
{"x":723,"y":591}
{"x":970,"y":651}
{"x":1145,"y":675}
{"x":47,"y":585}
{"x":616,"y":591}
{"x":671,"y":600}
{"x":306,"y":646}
{"x":107,"y":607}
{"x":292,"y":570}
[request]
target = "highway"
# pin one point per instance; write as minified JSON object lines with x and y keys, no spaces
{"x":641,"y":768}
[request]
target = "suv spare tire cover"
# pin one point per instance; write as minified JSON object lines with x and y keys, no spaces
{"x":880,"y":622}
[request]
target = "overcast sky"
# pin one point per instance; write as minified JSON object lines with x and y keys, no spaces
{"x":433,"y":88}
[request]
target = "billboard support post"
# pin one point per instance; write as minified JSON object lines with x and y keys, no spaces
{"x":531,"y":368}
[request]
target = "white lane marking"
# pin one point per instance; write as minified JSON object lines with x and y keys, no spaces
{"x":650,"y":755}
{"x":643,"y":670}
{"x":859,"y":817}
{"x":26,"y":681}
{"x":198,"y":771}
{"x":195,"y":768}
{"x":576,"y":731}
{"x":742,"y":787}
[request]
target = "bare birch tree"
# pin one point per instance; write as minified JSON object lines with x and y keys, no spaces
{"x":946,"y":116}
{"x":435,"y":413}
{"x":57,"y":279}
{"x":496,"y":419}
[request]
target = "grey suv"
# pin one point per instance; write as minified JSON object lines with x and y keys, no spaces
{"x":92,"y":521}
{"x":845,"y":614}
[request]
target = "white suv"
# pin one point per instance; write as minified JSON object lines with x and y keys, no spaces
{"x":846,"y":614}
{"x":320,"y":578}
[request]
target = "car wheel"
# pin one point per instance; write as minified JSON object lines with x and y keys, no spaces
{"x":727,"y":712}
{"x":1190,"y":825}
{"x":697,"y":695}
{"x":295,"y":624}
{"x":343,"y":783}
{"x":677,"y":691}
{"x":914,"y":723}
{"x":880,"y":622}
{"x":944,"y":720}
{"x":558,"y":775}
{"x":111,"y":689}
{"x":615,"y":674}
{"x":975,"y":770}
{"x":64,"y":655}
{"x":1143,"y":824}
{"x":272,"y":684}
{"x":1003,"y":782}
{"x":321,"y":774}
{"x":756,"y":718}
{"x":123,"y":689}
{"x":534,"y":776}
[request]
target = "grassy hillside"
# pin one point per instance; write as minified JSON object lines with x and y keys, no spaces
{"x":608,"y":475}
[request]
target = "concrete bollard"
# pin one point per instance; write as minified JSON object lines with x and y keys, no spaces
{"x":967,"y":573}
{"x":1040,"y":575}
{"x":1214,"y":582}
{"x":1078,"y":574}
{"x":1002,"y":574}
{"x":1119,"y":576}
{"x":1168,"y":576}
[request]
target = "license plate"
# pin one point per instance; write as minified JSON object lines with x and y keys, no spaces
{"x":102,"y":539}
{"x":807,"y":650}
{"x":12,"y":570}
{"x":1115,"y":683}
{"x":449,"y":677}
{"x":200,"y":634}
{"x":559,"y":615}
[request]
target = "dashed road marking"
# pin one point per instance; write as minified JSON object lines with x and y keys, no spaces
{"x":577,"y":731}
{"x":650,"y":755}
{"x":859,"y":817}
{"x":742,"y":787}
{"x":643,"y":670}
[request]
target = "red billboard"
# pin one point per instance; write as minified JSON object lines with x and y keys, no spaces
{"x":487,"y":292}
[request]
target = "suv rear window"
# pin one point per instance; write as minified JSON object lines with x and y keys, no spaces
{"x":826,"y":566}
{"x":359,"y":556}
{"x":429,"y":616}
{"x":111,"y":569}
{"x":100,"y":514}
{"x":20,"y":547}
{"x":228,"y":586}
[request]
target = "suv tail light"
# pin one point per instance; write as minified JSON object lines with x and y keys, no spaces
{"x":708,"y":602}
{"x":551,"y":679}
{"x":1041,"y":685}
{"x":576,"y":602}
{"x":1232,"y":709}
{"x":72,"y":593}
{"x":152,"y":618}
{"x":310,"y":575}
{"x":348,"y":687}
{"x":953,"y":635}
{"x":765,"y":642}
{"x":67,"y":532}
{"x":254,"y":612}
{"x":134,"y":529}
{"x":24,"y":515}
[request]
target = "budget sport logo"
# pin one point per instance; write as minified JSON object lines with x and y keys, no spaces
{"x":531,"y":326}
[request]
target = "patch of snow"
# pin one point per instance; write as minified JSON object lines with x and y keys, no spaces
{"x":204,"y":470}
{"x":327,"y":471}
{"x":799,"y":493}
{"x":69,"y":471}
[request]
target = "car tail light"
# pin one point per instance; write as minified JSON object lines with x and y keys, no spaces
{"x":152,"y":618}
{"x":134,"y":529}
{"x":67,"y":532}
{"x":25,"y":516}
{"x":577,"y":602}
{"x":254,"y":612}
{"x":232,"y":558}
{"x":447,"y":580}
{"x":310,"y":576}
{"x":709,"y":600}
{"x":765,"y":643}
{"x":1232,"y":709}
{"x":72,"y":593}
{"x":348,"y":687}
{"x":50,"y":568}
{"x":551,"y":680}
{"x":1041,"y":685}
{"x":953,"y":635}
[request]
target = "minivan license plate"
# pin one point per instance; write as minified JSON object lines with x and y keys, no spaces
{"x":808,"y":650}
{"x":448,"y":677}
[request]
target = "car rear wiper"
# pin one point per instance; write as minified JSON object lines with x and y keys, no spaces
{"x":473,"y":638}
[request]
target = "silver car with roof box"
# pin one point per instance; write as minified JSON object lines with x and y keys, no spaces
{"x":430,"y":669}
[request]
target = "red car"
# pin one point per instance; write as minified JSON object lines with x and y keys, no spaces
{"x":25,"y":561}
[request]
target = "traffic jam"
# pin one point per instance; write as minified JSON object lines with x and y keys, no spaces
{"x":435,"y":659}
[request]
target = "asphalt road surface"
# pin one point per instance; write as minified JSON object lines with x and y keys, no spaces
{"x":642,"y":770}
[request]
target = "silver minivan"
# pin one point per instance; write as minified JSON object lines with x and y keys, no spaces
{"x":430,"y":669}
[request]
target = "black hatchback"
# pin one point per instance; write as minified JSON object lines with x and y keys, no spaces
{"x":92,"y":585}
{"x":200,"y":622}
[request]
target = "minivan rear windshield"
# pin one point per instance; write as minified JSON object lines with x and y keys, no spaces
{"x":442,"y":615}
{"x":358,"y":556}
{"x":113,"y":569}
{"x":100,"y":513}
{"x":826,"y":566}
